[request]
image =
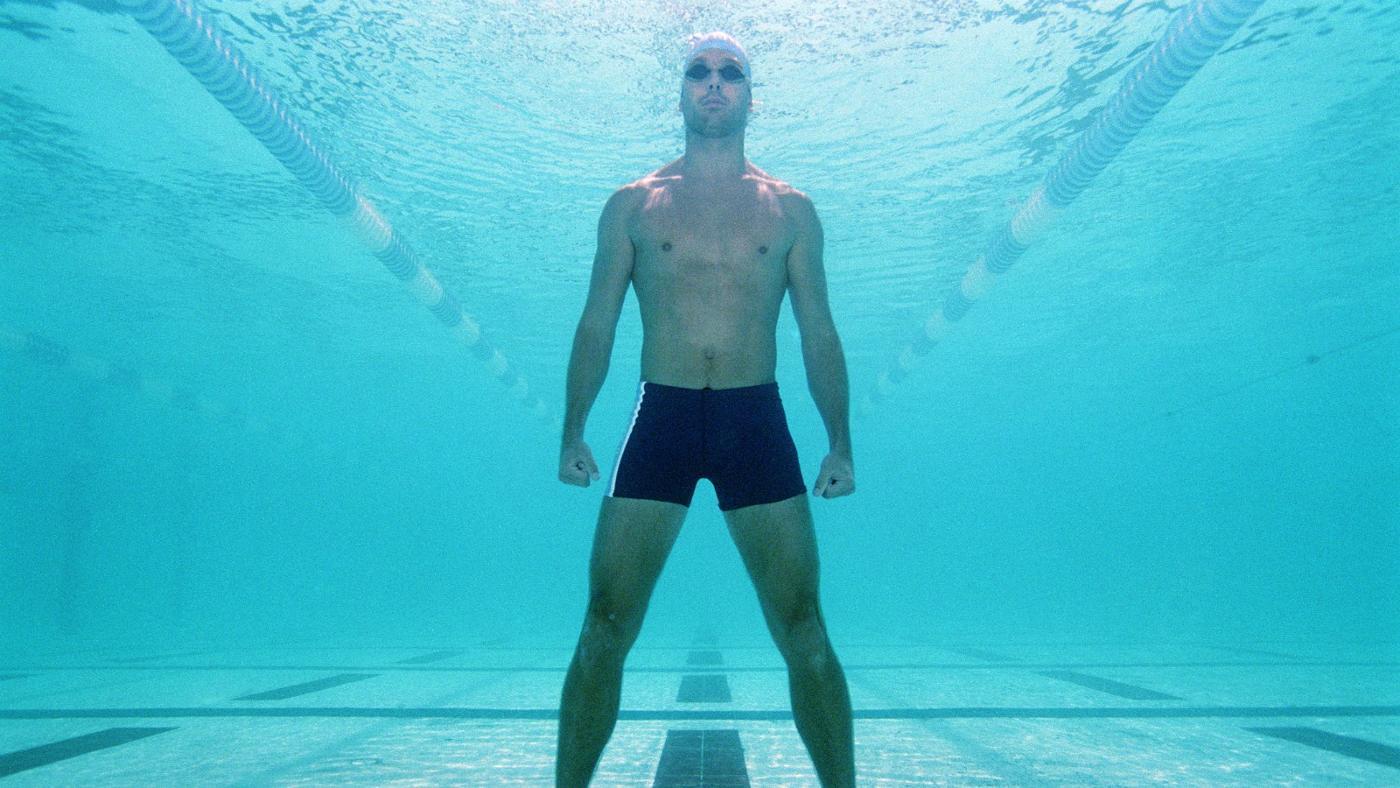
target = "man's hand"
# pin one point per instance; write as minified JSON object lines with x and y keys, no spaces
{"x":576,"y":465}
{"x":837,"y":476}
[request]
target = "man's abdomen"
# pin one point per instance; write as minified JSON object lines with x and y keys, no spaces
{"x":719,"y":364}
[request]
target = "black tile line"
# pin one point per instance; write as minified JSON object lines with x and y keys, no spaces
{"x":9,"y":676}
{"x":398,"y":647}
{"x":702,"y":759}
{"x":563,"y":666}
{"x":277,"y":770}
{"x":1256,"y":652}
{"x":120,"y":648}
{"x":762,"y":646}
{"x":65,"y":652}
{"x":994,"y":761}
{"x":949,"y":712}
{"x":307,"y":687}
{"x":757,"y":647}
{"x":1109,"y":686}
{"x":435,"y":656}
{"x":766,"y":645}
{"x":315,"y":647}
{"x":1363,"y":749}
{"x":53,"y":752}
{"x":1329,"y":643}
{"x":999,"y":651}
{"x":499,"y":643}
{"x":43,"y":688}
{"x":392,"y":667}
{"x":119,"y":651}
{"x":152,"y":657}
{"x":502,"y":645}
{"x":704,"y":688}
{"x":977,"y":653}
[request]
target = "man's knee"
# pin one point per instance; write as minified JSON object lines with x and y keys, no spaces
{"x":609,"y":630}
{"x":800,"y":634}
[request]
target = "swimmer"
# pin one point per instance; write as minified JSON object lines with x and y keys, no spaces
{"x":710,"y":244}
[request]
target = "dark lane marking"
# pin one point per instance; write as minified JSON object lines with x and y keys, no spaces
{"x":977,"y":653}
{"x":8,"y":676}
{"x":1255,"y":651}
{"x":1108,"y":685}
{"x":563,"y":666}
{"x":704,"y":688}
{"x":702,"y":759}
{"x":436,"y":656}
{"x":154,"y":657}
{"x":45,"y":754}
{"x":292,"y":691}
{"x":704,"y":658}
{"x":945,"y":712}
{"x":1372,"y":751}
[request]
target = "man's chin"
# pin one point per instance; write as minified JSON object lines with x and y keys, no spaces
{"x":717,"y":130}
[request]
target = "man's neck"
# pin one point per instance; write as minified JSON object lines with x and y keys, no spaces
{"x":711,"y":159}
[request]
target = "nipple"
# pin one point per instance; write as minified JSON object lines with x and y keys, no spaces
{"x":665,"y":246}
{"x":763,"y":250}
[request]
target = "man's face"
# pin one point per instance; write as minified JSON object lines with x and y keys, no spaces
{"x":715,"y":94}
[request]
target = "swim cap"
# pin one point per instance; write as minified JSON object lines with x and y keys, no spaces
{"x":723,"y":41}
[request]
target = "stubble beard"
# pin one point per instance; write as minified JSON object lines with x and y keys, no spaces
{"x":712,"y":127}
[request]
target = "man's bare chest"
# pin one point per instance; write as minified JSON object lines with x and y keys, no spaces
{"x":736,"y":236}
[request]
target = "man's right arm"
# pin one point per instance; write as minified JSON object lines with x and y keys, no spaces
{"x":593,"y":340}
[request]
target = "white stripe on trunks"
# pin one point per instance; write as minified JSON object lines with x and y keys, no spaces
{"x":641,"y":393}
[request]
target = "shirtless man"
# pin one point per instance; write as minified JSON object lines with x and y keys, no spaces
{"x":710,"y":243}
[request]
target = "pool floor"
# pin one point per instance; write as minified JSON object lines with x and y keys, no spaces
{"x":703,"y":711}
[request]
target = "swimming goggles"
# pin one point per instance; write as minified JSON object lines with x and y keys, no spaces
{"x":699,"y":72}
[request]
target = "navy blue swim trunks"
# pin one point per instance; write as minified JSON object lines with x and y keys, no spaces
{"x":737,"y":438}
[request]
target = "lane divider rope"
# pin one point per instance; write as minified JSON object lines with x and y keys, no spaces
{"x":209,"y":56}
{"x":49,"y":352}
{"x":1193,"y":37}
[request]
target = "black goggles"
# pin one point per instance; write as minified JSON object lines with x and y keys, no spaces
{"x":729,"y":72}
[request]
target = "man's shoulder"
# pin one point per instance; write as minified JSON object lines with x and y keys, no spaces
{"x":629,"y":195}
{"x":624,"y":200}
{"x":793,"y":199}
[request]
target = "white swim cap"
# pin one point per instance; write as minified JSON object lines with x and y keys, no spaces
{"x":700,"y":42}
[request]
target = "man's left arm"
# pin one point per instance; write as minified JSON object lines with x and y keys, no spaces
{"x":821,"y":349}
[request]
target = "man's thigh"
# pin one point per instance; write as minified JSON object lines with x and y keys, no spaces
{"x":779,"y":548}
{"x":633,"y":538}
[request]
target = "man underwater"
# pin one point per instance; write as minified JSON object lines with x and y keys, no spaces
{"x":710,"y":244}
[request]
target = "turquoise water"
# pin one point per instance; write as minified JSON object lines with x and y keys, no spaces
{"x":1172,"y":421}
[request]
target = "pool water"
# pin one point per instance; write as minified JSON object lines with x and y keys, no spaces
{"x":278,"y":496}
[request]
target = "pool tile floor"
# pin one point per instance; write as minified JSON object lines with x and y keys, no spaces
{"x":705,"y":713}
